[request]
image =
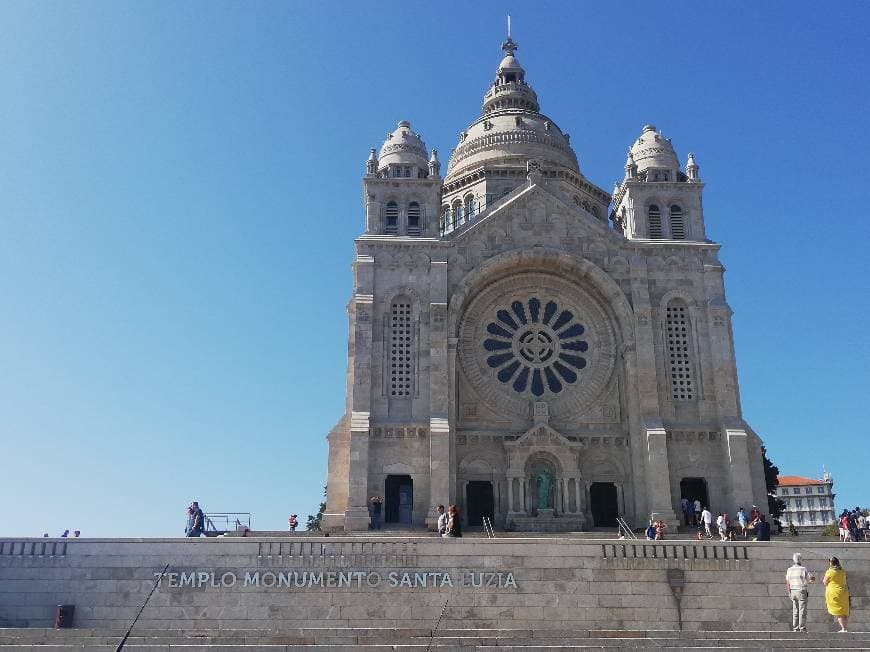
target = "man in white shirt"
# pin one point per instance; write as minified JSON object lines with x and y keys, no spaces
{"x":797,"y":581}
{"x":442,"y":520}
{"x":707,"y":519}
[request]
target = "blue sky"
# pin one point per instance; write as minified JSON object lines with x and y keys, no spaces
{"x":180,"y":186}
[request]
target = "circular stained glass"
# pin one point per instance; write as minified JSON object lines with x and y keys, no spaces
{"x":535,"y":347}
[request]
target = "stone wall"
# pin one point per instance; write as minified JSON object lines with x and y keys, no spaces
{"x":361,"y":581}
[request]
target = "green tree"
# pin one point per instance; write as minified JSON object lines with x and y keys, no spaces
{"x":313,"y":524}
{"x":771,"y":479}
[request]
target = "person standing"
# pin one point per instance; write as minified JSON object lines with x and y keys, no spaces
{"x":697,"y":506}
{"x":293,"y":522}
{"x":454,"y":525}
{"x":742,"y":519}
{"x":684,"y":503}
{"x":845,"y":528}
{"x":762,"y":529}
{"x":197,"y":520}
{"x":797,"y":581}
{"x":377,"y":504}
{"x":707,"y":520}
{"x":720,"y":525}
{"x":442,"y":520}
{"x":837,"y":593}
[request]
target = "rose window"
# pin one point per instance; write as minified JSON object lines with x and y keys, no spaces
{"x":535,"y":347}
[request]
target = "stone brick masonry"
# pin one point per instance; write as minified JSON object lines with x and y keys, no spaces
{"x":537,"y":584}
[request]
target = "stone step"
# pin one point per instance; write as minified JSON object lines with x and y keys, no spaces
{"x":376,"y":639}
{"x":610,"y":646}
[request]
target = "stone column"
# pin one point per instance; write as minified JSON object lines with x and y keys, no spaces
{"x":510,"y":483}
{"x":356,"y":517}
{"x":578,"y":489}
{"x":739,"y":469}
{"x":524,"y":509}
{"x":658,"y":474}
{"x":441,"y":463}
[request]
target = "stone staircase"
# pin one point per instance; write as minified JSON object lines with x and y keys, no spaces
{"x":447,"y":639}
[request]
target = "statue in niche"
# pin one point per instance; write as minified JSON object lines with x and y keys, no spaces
{"x":544,"y":482}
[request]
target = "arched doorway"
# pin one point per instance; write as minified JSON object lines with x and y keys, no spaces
{"x":694,"y":489}
{"x":479,"y":501}
{"x":603,"y":503}
{"x":398,"y":499}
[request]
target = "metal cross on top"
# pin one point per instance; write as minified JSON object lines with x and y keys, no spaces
{"x":509,"y":46}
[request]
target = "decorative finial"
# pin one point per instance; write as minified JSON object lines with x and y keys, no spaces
{"x":434,"y":164}
{"x":509,"y":46}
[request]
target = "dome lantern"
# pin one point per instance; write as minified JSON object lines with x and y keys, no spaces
{"x":510,"y":90}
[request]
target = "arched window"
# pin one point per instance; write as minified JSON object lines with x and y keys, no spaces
{"x":457,"y":213}
{"x":392,"y":218}
{"x":413,"y":218}
{"x":595,"y":212}
{"x":401,"y":350}
{"x":678,"y":227}
{"x":655,"y":222}
{"x":470,"y":206}
{"x":445,"y":218}
{"x":679,"y":355}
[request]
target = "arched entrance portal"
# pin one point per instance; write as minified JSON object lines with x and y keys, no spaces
{"x":695,"y":489}
{"x":479,"y":501}
{"x":604,"y":504}
{"x":398,"y":499}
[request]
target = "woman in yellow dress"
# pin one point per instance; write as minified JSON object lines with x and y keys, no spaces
{"x":837,"y":593}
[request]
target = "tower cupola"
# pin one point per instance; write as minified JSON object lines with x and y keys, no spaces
{"x":403,"y":154}
{"x":654,"y":155}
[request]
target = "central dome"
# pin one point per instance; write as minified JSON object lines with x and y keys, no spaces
{"x":512,"y":130}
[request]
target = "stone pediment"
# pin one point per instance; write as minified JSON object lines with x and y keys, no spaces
{"x":537,"y":211}
{"x":542,"y":436}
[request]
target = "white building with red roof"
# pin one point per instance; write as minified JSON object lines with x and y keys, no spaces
{"x":808,"y":502}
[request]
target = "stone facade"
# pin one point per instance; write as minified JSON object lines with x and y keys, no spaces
{"x":513,"y":351}
{"x":543,"y":584}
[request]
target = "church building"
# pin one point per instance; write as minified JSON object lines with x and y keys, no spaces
{"x":530,"y":347}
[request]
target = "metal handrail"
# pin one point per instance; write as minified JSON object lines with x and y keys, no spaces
{"x":231,"y":521}
{"x":487,"y":527}
{"x":624,"y":527}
